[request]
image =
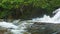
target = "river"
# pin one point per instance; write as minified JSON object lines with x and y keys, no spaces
{"x":19,"y":27}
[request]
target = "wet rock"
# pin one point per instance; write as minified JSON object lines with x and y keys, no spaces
{"x":4,"y":30}
{"x":44,"y":28}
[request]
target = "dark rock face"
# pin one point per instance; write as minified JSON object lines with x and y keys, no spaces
{"x":44,"y":28}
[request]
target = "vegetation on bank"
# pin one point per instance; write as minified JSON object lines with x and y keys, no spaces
{"x":15,"y":9}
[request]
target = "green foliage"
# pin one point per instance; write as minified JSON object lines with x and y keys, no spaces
{"x":26,"y":6}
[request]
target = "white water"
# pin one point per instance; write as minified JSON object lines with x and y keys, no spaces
{"x":17,"y":26}
{"x":48,"y":19}
{"x":15,"y":29}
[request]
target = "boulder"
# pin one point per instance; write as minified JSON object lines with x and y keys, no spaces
{"x":4,"y":30}
{"x":44,"y":28}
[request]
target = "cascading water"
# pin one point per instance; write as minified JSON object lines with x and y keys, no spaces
{"x":48,"y":19}
{"x":56,"y":17}
{"x":15,"y":29}
{"x":21,"y":28}
{"x":18,"y":27}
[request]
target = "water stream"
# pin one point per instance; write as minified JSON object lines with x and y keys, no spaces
{"x":48,"y":19}
{"x":18,"y":27}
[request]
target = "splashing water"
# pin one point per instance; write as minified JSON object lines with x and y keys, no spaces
{"x":15,"y":29}
{"x":19,"y":28}
{"x":56,"y":17}
{"x":8,"y":25}
{"x":48,"y":19}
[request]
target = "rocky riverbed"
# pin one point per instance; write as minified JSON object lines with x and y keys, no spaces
{"x":44,"y":28}
{"x":30,"y":27}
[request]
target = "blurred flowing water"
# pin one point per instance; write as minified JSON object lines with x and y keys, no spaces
{"x":19,"y":27}
{"x":48,"y":19}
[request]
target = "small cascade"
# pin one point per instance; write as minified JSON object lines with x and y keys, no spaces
{"x":48,"y":19}
{"x":19,"y":27}
{"x":15,"y":29}
{"x":56,"y":17}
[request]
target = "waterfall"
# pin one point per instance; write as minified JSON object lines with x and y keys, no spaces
{"x":18,"y":27}
{"x":48,"y":19}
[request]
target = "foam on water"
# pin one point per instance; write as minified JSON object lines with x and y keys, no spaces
{"x":8,"y":25}
{"x":48,"y":19}
{"x":15,"y":29}
{"x":20,"y":28}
